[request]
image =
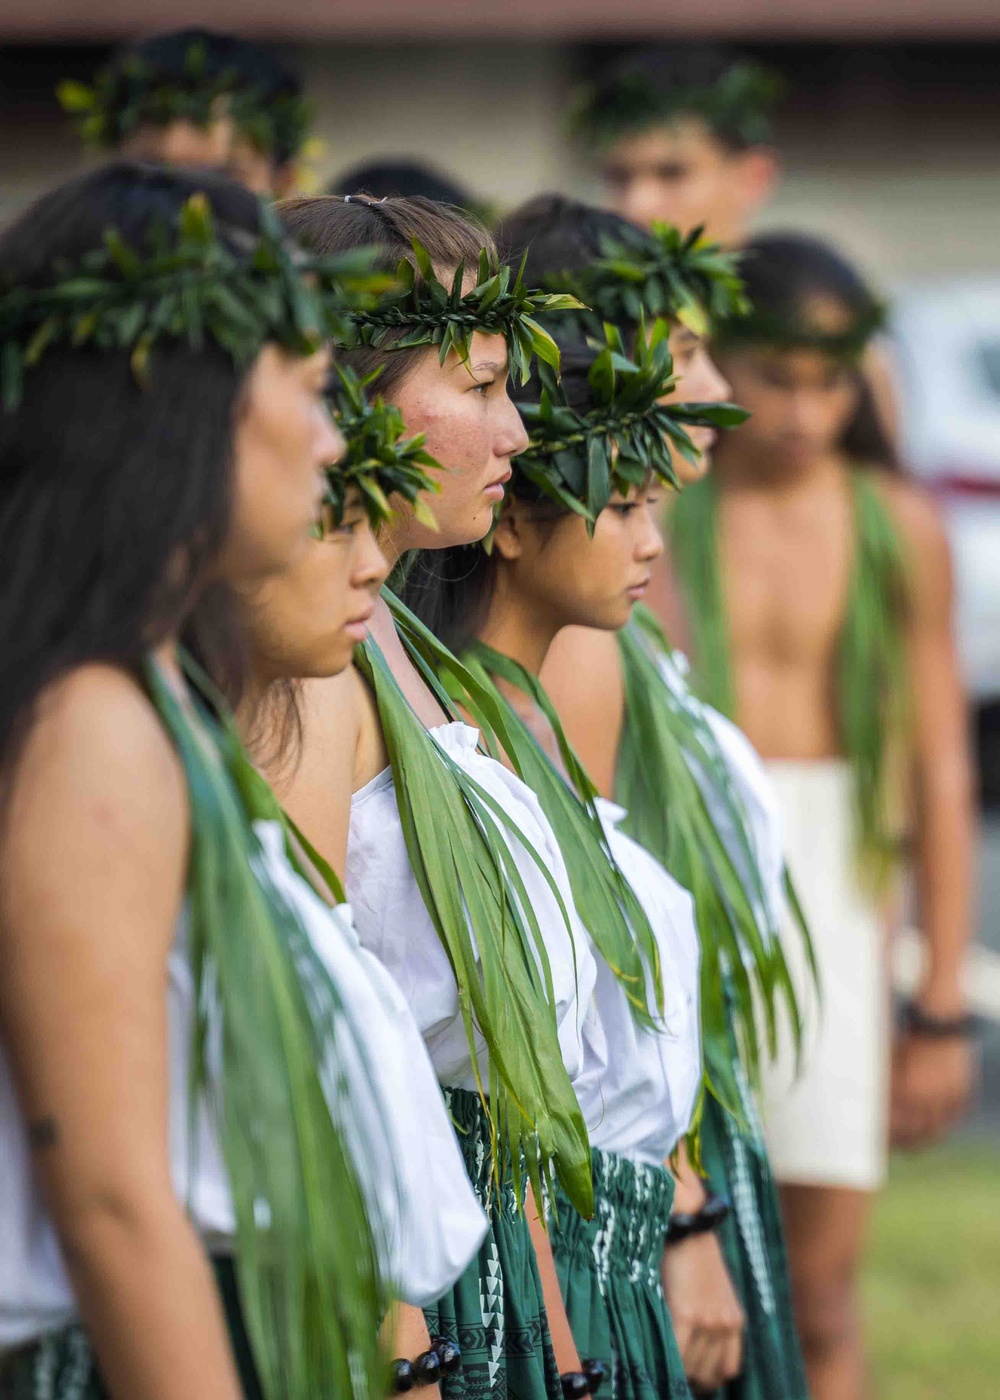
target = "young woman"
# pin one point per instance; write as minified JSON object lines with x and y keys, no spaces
{"x":197,"y":1066}
{"x":816,"y":589}
{"x":545,"y":570}
{"x":456,"y":879}
{"x":641,"y":736}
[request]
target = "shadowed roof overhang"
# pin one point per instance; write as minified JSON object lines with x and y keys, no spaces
{"x":99,"y":20}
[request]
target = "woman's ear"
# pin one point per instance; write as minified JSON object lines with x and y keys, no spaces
{"x":508,"y":534}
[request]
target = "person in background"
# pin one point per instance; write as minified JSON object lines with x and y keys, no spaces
{"x":194,"y":97}
{"x":682,"y":136}
{"x":816,"y":595}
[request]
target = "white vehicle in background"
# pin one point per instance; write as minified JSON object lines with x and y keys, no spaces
{"x":947,"y":350}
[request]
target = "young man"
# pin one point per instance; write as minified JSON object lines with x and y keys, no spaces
{"x":815,"y":588}
{"x":197,"y":98}
{"x":683,"y":136}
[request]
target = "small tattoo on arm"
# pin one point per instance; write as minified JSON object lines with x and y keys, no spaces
{"x":43,"y":1133}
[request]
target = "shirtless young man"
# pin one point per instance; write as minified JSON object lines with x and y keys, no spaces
{"x":682,"y":136}
{"x":816,"y":590}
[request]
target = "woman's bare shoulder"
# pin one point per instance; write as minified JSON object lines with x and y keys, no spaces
{"x":98,"y":787}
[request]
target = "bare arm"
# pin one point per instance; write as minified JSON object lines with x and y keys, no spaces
{"x":706,"y":1313}
{"x":563,"y":1345}
{"x":932,"y":1080}
{"x":94,"y":866}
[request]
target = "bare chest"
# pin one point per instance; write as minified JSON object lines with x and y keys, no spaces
{"x":786,"y":572}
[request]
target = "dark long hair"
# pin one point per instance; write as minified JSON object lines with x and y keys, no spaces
{"x":451,"y":590}
{"x":783,"y":272}
{"x":114,"y":499}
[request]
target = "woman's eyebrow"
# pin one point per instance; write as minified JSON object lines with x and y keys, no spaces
{"x":497,"y":367}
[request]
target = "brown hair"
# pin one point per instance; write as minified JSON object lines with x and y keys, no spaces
{"x":328,"y":224}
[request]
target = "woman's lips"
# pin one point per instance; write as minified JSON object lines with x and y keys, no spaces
{"x":495,"y":490}
{"x":357,"y":628}
{"x":638,"y":590}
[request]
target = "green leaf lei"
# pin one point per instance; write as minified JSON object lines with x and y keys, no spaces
{"x":380,"y":462}
{"x":131,"y":92}
{"x":780,"y":333}
{"x":580,"y":458}
{"x":740,"y":100}
{"x":700,"y":834}
{"x":604,"y":899}
{"x":429,"y":313}
{"x":872,"y":690}
{"x":268,"y":1020}
{"x":660,"y":272}
{"x":188,"y":285}
{"x":475,"y":895}
{"x":277,"y":124}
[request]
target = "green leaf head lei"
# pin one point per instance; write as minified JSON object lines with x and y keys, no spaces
{"x":661,"y":272}
{"x":579,"y":457}
{"x":131,"y":92}
{"x":426,"y":312}
{"x":760,"y":327}
{"x":380,"y":462}
{"x":191,"y":283}
{"x":134,"y":91}
{"x":278,"y":124}
{"x":739,"y":102}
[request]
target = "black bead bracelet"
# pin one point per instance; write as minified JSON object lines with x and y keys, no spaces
{"x":449,"y":1353}
{"x":443,"y":1359}
{"x":404,"y":1377}
{"x":920,"y":1022}
{"x":708,"y":1217}
{"x":575,"y":1385}
{"x":597,"y":1372}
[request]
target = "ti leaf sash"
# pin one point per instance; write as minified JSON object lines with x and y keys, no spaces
{"x":267,"y":1017}
{"x":682,"y":806}
{"x":603,"y":897}
{"x":476,"y":897}
{"x":872,"y":682}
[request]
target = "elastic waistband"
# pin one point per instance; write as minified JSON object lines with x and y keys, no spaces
{"x":472,"y":1128}
{"x":632,"y":1204}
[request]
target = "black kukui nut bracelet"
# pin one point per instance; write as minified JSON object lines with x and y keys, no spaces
{"x":575,"y":1385}
{"x":450,"y":1354}
{"x":920,"y":1022}
{"x":597,"y":1372}
{"x":404,"y":1377}
{"x":708,"y":1217}
{"x":428,"y":1367}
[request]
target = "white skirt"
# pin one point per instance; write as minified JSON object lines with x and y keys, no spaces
{"x":828,"y":1125}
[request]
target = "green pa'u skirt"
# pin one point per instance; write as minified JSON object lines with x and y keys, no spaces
{"x":495,"y":1311}
{"x":753,"y":1242}
{"x":609,"y":1271}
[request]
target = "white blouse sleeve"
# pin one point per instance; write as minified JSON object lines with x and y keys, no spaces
{"x":391,"y":1107}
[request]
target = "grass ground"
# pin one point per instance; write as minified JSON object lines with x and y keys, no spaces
{"x":932,"y":1288}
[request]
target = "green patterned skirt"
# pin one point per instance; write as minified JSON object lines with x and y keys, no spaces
{"x":495,"y":1311}
{"x":753,"y":1243}
{"x":61,"y":1365}
{"x":609,"y":1270}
